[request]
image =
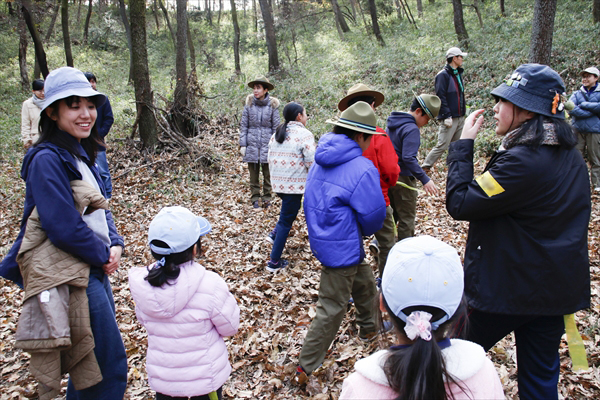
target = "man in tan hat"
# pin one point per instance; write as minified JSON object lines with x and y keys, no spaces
{"x":342,"y":203}
{"x":403,"y":130}
{"x":381,"y":152}
{"x":450,"y":88}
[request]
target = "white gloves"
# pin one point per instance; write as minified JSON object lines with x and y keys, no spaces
{"x":448,"y":122}
{"x":243,"y":151}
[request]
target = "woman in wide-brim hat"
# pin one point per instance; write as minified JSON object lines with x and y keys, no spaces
{"x":260,"y":119}
{"x":529,"y":214}
{"x":66,"y":151}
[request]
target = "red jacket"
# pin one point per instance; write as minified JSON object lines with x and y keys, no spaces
{"x":381,"y":152}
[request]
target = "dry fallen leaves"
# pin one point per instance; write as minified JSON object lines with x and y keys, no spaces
{"x":276,"y":309}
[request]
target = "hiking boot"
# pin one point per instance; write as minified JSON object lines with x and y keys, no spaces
{"x":271,"y":236}
{"x":301,"y":376}
{"x":255,"y":204}
{"x":273,"y":266}
{"x":374,"y":249}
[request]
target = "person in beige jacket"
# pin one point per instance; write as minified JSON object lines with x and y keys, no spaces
{"x":30,"y":114}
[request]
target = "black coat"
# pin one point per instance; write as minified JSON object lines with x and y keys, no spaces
{"x":527,"y":250}
{"x":448,"y":90}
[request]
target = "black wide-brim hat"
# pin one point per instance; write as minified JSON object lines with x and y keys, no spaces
{"x":534,"y":87}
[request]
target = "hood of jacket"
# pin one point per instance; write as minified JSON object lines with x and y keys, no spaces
{"x":396,"y":119}
{"x":251,"y":100}
{"x":169,"y":299}
{"x":335,"y":149}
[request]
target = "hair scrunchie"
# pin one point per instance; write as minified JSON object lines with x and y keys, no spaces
{"x":417,"y":324}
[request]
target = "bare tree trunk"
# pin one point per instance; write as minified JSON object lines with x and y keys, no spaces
{"x":191,"y":48}
{"x":52,"y":21}
{"x":542,"y":30}
{"x":180,"y":96}
{"x":86,"y":27}
{"x":166,"y":14}
{"x":477,"y":7}
{"x":503,"y":11}
{"x":64,"y":19}
{"x":376,"y":31}
{"x":40,"y":54}
{"x":141,"y":80}
{"x":431,"y":1}
{"x":208,"y":12}
{"x":362,"y":14}
{"x":596,"y":11}
{"x":219,"y":15}
{"x":11,"y":12}
{"x":270,"y":35}
{"x":236,"y":38}
{"x":78,"y":13}
{"x":255,"y":16}
{"x":125,"y":21}
{"x":155,"y":12}
{"x":419,"y":8}
{"x":459,"y":24}
{"x":339,"y":16}
{"x":23,"y":53}
{"x":353,"y":7}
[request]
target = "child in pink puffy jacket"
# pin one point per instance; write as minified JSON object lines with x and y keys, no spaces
{"x":186,"y":310}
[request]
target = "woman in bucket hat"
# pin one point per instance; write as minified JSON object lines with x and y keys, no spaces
{"x":66,"y":151}
{"x":422,"y":292}
{"x":526,"y":260}
{"x":260,"y":119}
{"x":342,"y":203}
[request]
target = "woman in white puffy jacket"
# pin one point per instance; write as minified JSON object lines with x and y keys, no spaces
{"x":30,"y":114}
{"x":186,"y":310}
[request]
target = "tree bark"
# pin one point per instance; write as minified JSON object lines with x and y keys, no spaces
{"x":459,"y":24}
{"x":419,"y":8}
{"x":503,"y":11}
{"x":208,"y":12}
{"x":191,"y":48}
{"x":219,"y":15}
{"x":86,"y":27}
{"x":78,"y":13}
{"x":23,"y":53}
{"x":339,"y":16}
{"x":255,"y":16}
{"x":542,"y":30}
{"x":477,"y":7}
{"x":376,"y":31}
{"x":141,"y":80}
{"x":166,"y":14}
{"x":596,"y":11}
{"x":64,"y":19}
{"x":125,"y":21}
{"x":52,"y":22}
{"x":40,"y":54}
{"x":398,"y":9}
{"x":180,"y":102}
{"x":236,"y":38}
{"x":270,"y":35}
{"x":155,"y":12}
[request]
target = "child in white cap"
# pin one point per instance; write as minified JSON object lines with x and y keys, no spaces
{"x":186,"y":310}
{"x":422,"y":290}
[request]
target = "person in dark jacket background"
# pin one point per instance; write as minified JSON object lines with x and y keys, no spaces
{"x":104,"y":122}
{"x":403,"y":130}
{"x":450,"y":88}
{"x":586,"y":121}
{"x":526,"y":260}
{"x":342,"y":203}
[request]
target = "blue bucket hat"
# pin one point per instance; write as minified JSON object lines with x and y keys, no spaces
{"x":534,"y":87}
{"x":66,"y":82}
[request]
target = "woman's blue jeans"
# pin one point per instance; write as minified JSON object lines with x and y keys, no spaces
{"x":290,"y":205}
{"x":109,"y":350}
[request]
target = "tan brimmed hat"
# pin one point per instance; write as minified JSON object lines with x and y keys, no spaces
{"x":263,"y":81}
{"x":358,"y":90}
{"x":430,"y":103}
{"x":358,"y":117}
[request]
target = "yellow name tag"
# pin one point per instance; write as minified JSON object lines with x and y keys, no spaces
{"x":490,"y":186}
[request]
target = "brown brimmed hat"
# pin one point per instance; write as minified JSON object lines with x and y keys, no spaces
{"x":358,"y":117}
{"x":359,"y":90}
{"x":263,"y":81}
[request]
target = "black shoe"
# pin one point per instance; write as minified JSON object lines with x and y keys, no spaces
{"x":277,"y":266}
{"x":255,"y":204}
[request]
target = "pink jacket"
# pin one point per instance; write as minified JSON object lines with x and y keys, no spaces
{"x":465,"y":361}
{"x":186,"y":321}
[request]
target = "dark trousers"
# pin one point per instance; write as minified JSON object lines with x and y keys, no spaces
{"x":537,"y":340}
{"x":109,"y":350}
{"x":104,"y":172}
{"x":290,"y":205}
{"x":160,"y":396}
{"x":254,"y":169}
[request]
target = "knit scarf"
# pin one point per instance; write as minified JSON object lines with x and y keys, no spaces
{"x":37,"y":101}
{"x":511,"y":139}
{"x":455,"y":72}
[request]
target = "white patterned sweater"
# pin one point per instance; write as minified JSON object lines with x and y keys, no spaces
{"x":290,"y":161}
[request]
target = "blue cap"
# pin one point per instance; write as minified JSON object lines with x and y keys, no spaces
{"x":66,"y":82}
{"x":178,"y":227}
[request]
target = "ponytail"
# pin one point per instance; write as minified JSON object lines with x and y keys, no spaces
{"x":290,"y":113}
{"x":418,"y":371}
{"x":167,"y":266}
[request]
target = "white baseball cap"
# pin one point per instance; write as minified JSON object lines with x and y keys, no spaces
{"x":455,"y":51}
{"x":423,"y":271}
{"x":178,"y":227}
{"x":591,"y":70}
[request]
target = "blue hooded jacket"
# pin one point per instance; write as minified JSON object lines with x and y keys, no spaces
{"x":342,"y":203}
{"x":47,"y":170}
{"x":586,"y":114}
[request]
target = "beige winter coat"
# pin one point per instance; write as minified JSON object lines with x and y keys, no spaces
{"x":30,"y":120}
{"x":54,"y":326}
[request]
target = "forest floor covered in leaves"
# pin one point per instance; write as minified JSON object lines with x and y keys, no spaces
{"x":276,"y":309}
